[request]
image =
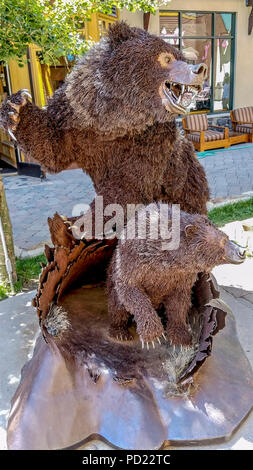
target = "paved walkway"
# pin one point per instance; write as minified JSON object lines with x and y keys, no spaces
{"x":229,"y":171}
{"x":31,"y":201}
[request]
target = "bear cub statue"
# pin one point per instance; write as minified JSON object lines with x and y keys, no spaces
{"x":144,"y":273}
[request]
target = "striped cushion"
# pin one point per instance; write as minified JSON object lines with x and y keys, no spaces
{"x":209,"y":136}
{"x":197,"y":122}
{"x":246,"y":129}
{"x":244,"y":114}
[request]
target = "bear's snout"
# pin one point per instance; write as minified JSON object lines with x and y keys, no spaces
{"x":234,"y":253}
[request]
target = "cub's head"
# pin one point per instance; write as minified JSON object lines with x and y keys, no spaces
{"x":207,"y":246}
{"x":130,"y":80}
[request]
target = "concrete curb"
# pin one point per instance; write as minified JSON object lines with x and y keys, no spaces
{"x":34,"y":251}
{"x":219,"y":202}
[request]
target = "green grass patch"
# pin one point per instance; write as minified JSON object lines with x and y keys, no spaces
{"x":231,"y":212}
{"x":4,"y":292}
{"x":28,"y":271}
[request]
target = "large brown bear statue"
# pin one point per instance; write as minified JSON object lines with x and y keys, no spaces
{"x":114,"y":117}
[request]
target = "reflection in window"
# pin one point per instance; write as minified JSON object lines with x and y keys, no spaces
{"x":223,"y":24}
{"x":222,"y":73}
{"x":196,"y":51}
{"x":169,"y":25}
{"x":172,"y":40}
{"x":196,"y":24}
{"x":205,"y":37}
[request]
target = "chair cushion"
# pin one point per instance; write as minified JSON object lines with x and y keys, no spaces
{"x":197,"y":122}
{"x":244,"y":114}
{"x":209,"y":136}
{"x":246,"y":129}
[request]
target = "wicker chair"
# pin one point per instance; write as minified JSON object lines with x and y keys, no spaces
{"x":197,"y":130}
{"x":242,"y":122}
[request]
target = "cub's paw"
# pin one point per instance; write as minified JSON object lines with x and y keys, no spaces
{"x":150,"y":331}
{"x":10,"y":111}
{"x":120,"y":334}
{"x":179,"y":335}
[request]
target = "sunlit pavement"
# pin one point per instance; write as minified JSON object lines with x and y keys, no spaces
{"x":18,"y":325}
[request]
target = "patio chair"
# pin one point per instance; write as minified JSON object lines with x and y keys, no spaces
{"x":242,"y":121}
{"x":197,"y":130}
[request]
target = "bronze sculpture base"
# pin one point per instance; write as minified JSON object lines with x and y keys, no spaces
{"x":123,"y":394}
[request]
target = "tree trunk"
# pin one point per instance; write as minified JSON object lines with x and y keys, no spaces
{"x":7,"y":228}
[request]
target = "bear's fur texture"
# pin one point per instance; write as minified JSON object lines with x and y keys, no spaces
{"x":112,"y":119}
{"x":143,"y":275}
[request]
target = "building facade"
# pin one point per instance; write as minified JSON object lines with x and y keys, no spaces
{"x":210,"y":31}
{"x":213,"y":32}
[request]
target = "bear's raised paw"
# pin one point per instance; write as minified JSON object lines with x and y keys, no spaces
{"x":10,"y":110}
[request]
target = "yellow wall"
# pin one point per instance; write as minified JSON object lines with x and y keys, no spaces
{"x":19,"y":76}
{"x":243,"y":89}
{"x":92,"y":28}
{"x":36,"y":77}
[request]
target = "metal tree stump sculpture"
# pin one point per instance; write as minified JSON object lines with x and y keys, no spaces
{"x":81,"y":383}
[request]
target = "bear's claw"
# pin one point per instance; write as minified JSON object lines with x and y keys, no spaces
{"x":151,"y":342}
{"x":11,"y":134}
{"x":14,"y":115}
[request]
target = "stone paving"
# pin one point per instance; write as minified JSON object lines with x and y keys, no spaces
{"x":229,"y":171}
{"x":31,"y":201}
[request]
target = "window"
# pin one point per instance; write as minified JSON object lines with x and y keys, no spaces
{"x":103,"y":26}
{"x":113,"y":12}
{"x":205,"y":37}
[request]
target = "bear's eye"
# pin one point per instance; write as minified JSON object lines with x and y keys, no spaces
{"x":170,"y":58}
{"x":224,"y":240}
{"x":165,"y":58}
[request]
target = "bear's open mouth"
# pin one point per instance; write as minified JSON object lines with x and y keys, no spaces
{"x":180,"y":95}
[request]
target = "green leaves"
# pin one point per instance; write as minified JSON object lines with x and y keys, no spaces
{"x":53,"y":25}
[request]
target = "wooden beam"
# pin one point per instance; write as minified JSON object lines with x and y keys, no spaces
{"x":146,"y":18}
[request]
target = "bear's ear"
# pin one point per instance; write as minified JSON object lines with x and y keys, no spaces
{"x":191,"y":231}
{"x":120,"y":32}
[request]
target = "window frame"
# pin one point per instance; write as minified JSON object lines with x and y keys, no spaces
{"x":212,"y":37}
